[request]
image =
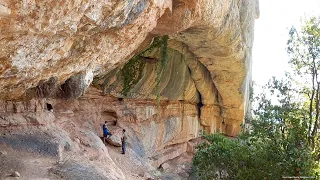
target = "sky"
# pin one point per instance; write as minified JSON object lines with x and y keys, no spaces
{"x":269,"y":57}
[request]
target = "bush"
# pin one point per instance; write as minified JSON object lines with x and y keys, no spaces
{"x":220,"y":157}
{"x":277,"y":144}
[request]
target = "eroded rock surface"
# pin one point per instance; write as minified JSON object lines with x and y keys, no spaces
{"x":74,"y":55}
{"x":73,"y":41}
{"x":42,"y":39}
{"x":61,"y":148}
{"x":70,"y":134}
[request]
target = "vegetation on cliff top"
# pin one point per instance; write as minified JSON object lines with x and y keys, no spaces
{"x":283,"y":139}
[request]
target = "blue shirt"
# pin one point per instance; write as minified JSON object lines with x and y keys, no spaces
{"x":105,"y":129}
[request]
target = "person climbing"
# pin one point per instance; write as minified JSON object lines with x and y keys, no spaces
{"x":106,"y":132}
{"x":123,"y":141}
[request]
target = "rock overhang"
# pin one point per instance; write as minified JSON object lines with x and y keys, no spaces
{"x":83,"y":37}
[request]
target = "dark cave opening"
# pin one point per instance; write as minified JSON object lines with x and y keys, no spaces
{"x":49,"y":107}
{"x":199,"y":105}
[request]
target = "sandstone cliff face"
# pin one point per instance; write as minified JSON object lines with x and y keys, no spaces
{"x":60,"y":39}
{"x":156,"y":133}
{"x":55,"y":51}
{"x":47,"y":39}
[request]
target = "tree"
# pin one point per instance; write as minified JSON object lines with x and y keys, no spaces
{"x":276,"y":146}
{"x":304,"y":51}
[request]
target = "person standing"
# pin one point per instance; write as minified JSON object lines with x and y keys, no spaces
{"x":124,"y":141}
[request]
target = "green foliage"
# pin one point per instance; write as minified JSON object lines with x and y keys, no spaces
{"x":162,"y":65}
{"x":276,"y":146}
{"x":304,"y":51}
{"x":157,"y":42}
{"x":132,"y":71}
{"x":304,"y":47}
{"x":281,"y":123}
{"x":221,"y":158}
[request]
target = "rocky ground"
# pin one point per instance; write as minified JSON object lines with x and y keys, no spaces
{"x":65,"y":143}
{"x":60,"y":149}
{"x":135,"y":168}
{"x":28,"y":165}
{"x":38,"y":165}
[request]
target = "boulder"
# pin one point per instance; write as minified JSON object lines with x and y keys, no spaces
{"x":15,"y":174}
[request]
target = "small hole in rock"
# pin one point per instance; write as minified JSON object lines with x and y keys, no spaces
{"x":49,"y":107}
